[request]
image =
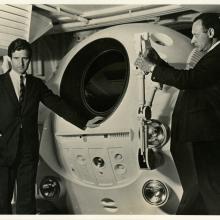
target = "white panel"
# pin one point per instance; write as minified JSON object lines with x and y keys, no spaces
{"x":13,"y":31}
{"x":6,"y":38}
{"x":23,"y":11}
{"x":80,"y":162}
{"x":13,"y":24}
{"x":39,"y":25}
{"x":103,"y":172}
{"x":119,"y":163}
{"x":13,"y":17}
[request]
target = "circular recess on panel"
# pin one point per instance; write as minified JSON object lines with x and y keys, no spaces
{"x":96,"y":78}
{"x":50,"y":187}
{"x":120,"y":169}
{"x":155,"y":192}
{"x":81,"y":159}
{"x":98,"y":161}
{"x":118,"y":157}
{"x":158,"y":134}
{"x":161,"y":39}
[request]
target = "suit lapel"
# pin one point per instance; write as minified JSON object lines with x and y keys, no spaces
{"x":10,"y":88}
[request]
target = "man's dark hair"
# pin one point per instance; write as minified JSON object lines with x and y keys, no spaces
{"x":210,"y":20}
{"x":19,"y":44}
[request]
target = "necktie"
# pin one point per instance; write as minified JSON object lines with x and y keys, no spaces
{"x":22,"y":88}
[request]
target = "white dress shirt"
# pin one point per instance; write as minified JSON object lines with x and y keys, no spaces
{"x":213,"y":46}
{"x":15,"y":78}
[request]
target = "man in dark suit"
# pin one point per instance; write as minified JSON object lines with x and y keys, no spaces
{"x":195,"y":136}
{"x":20,"y":95}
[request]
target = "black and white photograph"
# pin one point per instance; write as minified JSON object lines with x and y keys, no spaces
{"x":109,"y":109}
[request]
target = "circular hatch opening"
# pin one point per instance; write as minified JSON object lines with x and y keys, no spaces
{"x":96,"y":78}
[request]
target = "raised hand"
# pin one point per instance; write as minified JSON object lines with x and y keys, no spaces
{"x":143,"y":63}
{"x":151,"y":55}
{"x":95,"y":122}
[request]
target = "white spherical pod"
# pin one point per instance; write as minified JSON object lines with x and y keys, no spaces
{"x":102,"y":167}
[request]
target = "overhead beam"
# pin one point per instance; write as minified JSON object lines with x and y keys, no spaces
{"x":143,"y":15}
{"x":59,"y":10}
{"x":117,"y":10}
{"x":68,"y":9}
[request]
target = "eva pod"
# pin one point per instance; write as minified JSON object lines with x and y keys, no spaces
{"x":124,"y":166}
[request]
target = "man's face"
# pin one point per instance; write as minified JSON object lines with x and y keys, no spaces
{"x":201,"y":39}
{"x":20,"y":61}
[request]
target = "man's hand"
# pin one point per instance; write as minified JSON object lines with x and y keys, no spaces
{"x":148,"y":59}
{"x":156,"y":85}
{"x":95,"y":122}
{"x":151,"y":56}
{"x":143,"y":64}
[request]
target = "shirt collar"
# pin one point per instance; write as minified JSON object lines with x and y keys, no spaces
{"x":16,"y":74}
{"x":213,"y":46}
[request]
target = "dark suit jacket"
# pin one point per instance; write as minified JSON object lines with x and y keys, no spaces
{"x":196,"y":116}
{"x":11,"y":117}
